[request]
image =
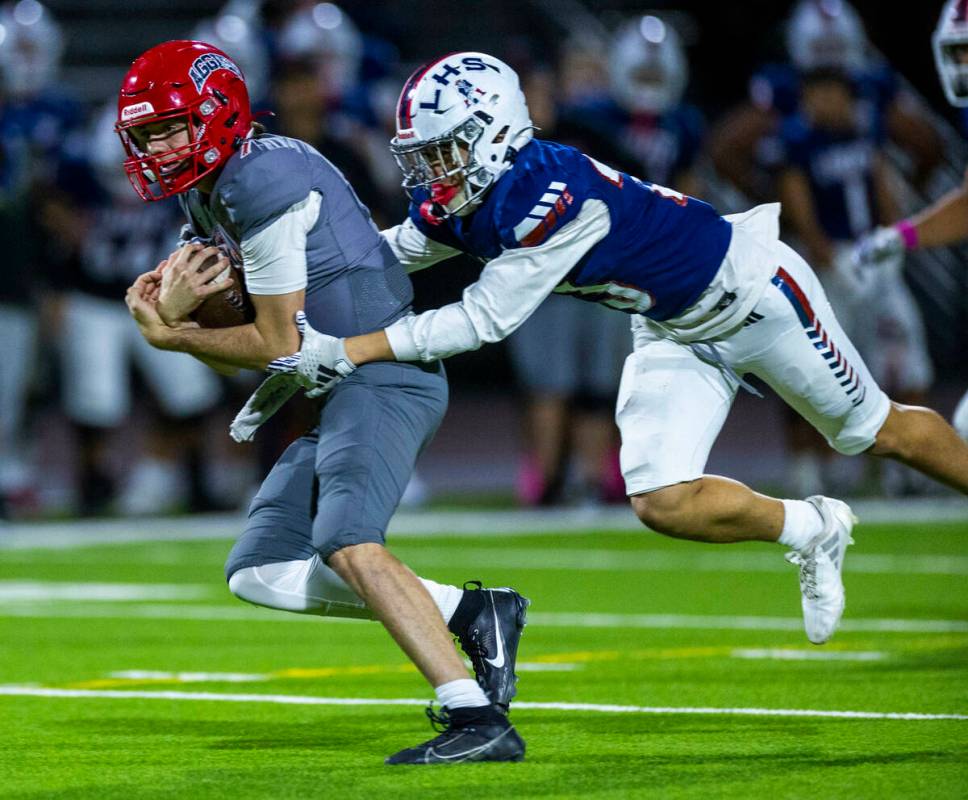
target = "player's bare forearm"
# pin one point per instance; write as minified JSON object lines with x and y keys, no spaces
{"x":944,"y":222}
{"x":369,"y":347}
{"x":240,"y":347}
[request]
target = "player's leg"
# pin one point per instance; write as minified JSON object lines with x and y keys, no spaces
{"x":170,"y":471}
{"x":96,"y":394}
{"x":18,"y":332}
{"x":372,"y":429}
{"x":671,"y":407}
{"x":960,"y":418}
{"x":831,"y":386}
{"x":543,"y":353}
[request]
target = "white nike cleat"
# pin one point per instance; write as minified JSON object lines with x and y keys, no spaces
{"x":821,"y":564}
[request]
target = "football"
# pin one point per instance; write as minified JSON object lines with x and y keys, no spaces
{"x":227,"y":308}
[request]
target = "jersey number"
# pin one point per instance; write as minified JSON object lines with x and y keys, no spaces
{"x":620,"y":296}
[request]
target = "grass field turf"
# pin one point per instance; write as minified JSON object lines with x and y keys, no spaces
{"x":673,"y":629}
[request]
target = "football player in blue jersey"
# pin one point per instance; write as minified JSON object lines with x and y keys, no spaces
{"x":836,"y":185}
{"x":819,"y":34}
{"x":946,"y":221}
{"x":710,"y":298}
{"x":314,"y":539}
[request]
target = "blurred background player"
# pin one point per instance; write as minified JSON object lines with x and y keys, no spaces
{"x":835,"y":185}
{"x":946,"y":221}
{"x":818,"y":34}
{"x":108,"y":237}
{"x":568,"y":361}
{"x":38,"y":122}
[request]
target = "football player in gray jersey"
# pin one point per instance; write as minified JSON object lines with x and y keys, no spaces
{"x":314,"y":541}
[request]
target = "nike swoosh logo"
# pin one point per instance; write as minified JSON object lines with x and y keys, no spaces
{"x":498,"y":661}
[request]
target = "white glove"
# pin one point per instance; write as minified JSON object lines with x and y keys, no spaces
{"x":321,"y":362}
{"x":882,"y":250}
{"x":265,"y":401}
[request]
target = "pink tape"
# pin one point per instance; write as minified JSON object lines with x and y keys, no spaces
{"x":908,"y":233}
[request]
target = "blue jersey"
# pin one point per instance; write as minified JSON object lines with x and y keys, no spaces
{"x":839,"y":166}
{"x":661,"y":252}
{"x":663,"y":145}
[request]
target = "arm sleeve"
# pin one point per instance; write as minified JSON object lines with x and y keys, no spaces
{"x":274,"y":259}
{"x":510,"y":288}
{"x":414,"y":249}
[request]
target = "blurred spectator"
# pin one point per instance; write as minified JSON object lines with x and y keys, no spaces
{"x":835,"y":187}
{"x":819,"y":34}
{"x":108,"y":236}
{"x":36,"y":124}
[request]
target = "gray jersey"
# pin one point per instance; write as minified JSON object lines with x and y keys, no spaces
{"x":292,"y":221}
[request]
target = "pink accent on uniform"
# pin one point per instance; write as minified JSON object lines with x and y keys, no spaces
{"x":908,"y":233}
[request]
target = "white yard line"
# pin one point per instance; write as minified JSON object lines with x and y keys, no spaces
{"x":243,"y":613}
{"x":32,"y":591}
{"x":286,"y":699}
{"x":693,"y":559}
{"x":89,"y":533}
{"x":776,"y":654}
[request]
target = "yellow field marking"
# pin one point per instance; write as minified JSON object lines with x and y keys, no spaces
{"x":297,"y":673}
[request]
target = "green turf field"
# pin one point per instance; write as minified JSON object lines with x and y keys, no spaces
{"x":628,"y":624}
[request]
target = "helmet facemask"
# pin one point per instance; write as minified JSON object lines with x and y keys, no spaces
{"x":447,"y":166}
{"x":951,"y":55}
{"x":157,"y":176}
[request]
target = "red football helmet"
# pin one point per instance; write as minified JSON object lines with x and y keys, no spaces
{"x":179,"y":81}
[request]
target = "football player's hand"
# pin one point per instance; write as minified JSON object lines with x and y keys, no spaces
{"x":881,"y":248}
{"x":321,"y":362}
{"x":145,"y":311}
{"x":186,"y":282}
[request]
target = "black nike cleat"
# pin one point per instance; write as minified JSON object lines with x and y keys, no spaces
{"x":490,"y":639}
{"x":468,"y":734}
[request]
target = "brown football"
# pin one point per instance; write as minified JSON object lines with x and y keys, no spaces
{"x":225,"y":309}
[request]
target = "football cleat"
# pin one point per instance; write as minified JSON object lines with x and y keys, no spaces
{"x":490,"y":640}
{"x":467,"y":734}
{"x":821,"y":565}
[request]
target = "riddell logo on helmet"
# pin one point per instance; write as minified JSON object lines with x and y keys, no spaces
{"x":138,"y":110}
{"x":203,"y":67}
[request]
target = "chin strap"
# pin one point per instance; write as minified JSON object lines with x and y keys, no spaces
{"x":434,"y":210}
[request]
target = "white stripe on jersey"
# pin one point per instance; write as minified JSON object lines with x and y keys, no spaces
{"x":537,"y":214}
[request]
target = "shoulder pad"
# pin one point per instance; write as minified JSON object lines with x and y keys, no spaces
{"x":264,"y":179}
{"x":541,"y":199}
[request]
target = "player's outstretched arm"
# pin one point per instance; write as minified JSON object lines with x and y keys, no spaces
{"x":942,"y":223}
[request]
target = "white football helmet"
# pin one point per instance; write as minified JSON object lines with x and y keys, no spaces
{"x":647,"y":66}
{"x":31,"y":45}
{"x":461,"y":115}
{"x":324,"y":34}
{"x":950,"y":44}
{"x":826,"y":33}
{"x":237,"y":31}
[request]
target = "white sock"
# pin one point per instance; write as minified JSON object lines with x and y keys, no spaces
{"x":462,"y":693}
{"x":446,"y":597}
{"x":801,"y":524}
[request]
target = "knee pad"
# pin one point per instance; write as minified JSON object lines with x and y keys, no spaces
{"x":281,"y":585}
{"x":304,"y":587}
